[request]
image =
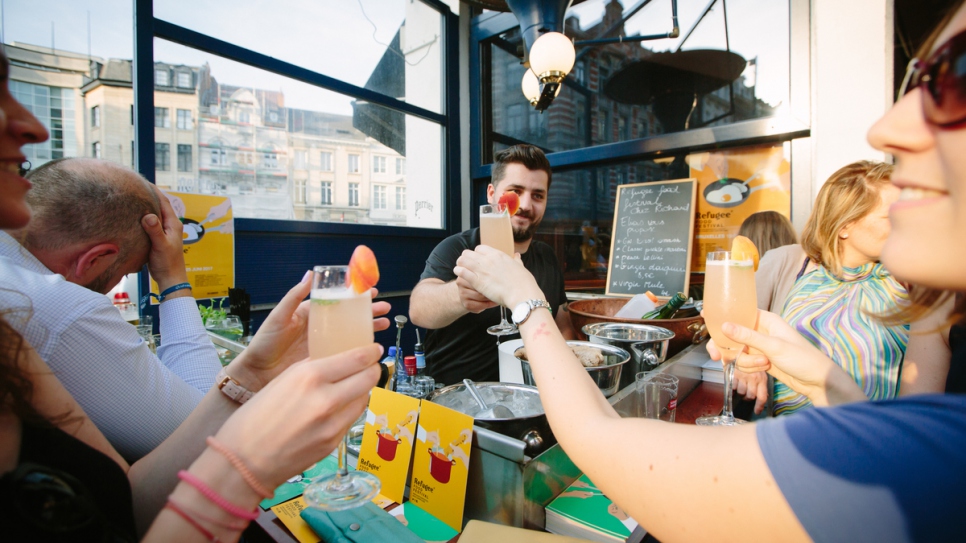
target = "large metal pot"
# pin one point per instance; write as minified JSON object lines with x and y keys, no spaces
{"x":687,"y":331}
{"x":529,"y":425}
{"x":647,"y":344}
{"x":607,"y":376}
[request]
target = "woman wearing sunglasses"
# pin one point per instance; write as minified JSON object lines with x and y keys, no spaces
{"x":893,"y":470}
{"x":60,"y":480}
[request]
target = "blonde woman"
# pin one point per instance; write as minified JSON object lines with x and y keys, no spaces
{"x":841,"y":285}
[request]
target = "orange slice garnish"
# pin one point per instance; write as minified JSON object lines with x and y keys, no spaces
{"x":363,"y":269}
{"x":512,"y":202}
{"x":744,"y":246}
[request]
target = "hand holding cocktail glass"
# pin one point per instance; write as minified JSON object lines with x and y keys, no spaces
{"x":496,"y":231}
{"x":787,"y":356}
{"x":729,"y":296}
{"x":340,"y":320}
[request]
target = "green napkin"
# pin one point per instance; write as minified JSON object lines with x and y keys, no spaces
{"x":365,"y":524}
{"x":287,"y":491}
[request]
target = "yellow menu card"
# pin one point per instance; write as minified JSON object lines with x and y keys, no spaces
{"x":440,"y":463}
{"x":387,"y":440}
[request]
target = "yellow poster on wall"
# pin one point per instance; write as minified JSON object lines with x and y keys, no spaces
{"x":441,"y":463}
{"x":732,"y":185}
{"x":387,"y":440}
{"x":209,"y":243}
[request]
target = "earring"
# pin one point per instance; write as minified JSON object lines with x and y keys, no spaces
{"x":844,"y":236}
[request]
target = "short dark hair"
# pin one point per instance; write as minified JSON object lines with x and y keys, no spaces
{"x":529,"y":156}
{"x":77,"y":200}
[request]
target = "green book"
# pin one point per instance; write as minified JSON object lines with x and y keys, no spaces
{"x":583,"y":511}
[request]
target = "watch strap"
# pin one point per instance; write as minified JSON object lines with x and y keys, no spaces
{"x":533,"y":304}
{"x":232,"y":388}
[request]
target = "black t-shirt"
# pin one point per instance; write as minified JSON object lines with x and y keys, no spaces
{"x":464,"y":349}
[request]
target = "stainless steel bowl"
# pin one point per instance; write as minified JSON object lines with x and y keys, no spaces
{"x":607,"y":376}
{"x":647,"y":344}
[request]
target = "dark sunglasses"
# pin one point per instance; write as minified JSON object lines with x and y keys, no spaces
{"x":942,"y":77}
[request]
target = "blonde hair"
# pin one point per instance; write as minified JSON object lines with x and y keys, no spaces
{"x":768,"y":230}
{"x":850,"y":194}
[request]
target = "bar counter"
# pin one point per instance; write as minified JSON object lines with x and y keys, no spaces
{"x":506,"y":487}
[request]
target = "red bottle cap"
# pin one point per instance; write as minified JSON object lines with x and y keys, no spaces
{"x":410,"y":363}
{"x":122,"y":298}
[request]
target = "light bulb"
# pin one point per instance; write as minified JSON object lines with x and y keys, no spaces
{"x":552,"y":55}
{"x":530,"y":86}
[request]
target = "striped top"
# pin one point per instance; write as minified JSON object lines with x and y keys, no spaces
{"x":837,"y":316}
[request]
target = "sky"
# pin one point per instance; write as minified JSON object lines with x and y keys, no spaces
{"x":348,"y":41}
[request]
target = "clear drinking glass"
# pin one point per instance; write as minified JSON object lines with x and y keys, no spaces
{"x":339,"y":320}
{"x":497,"y":232}
{"x":729,"y":296}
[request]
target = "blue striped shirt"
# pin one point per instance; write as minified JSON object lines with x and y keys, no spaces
{"x":134,"y":397}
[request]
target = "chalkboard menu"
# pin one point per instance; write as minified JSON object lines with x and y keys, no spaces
{"x":650,"y":246}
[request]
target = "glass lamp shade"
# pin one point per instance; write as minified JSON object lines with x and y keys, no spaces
{"x":552,"y":54}
{"x":530,"y":86}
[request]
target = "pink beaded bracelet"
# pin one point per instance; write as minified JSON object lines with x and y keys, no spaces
{"x":217,"y":498}
{"x":194,"y":523}
{"x":239,"y":464}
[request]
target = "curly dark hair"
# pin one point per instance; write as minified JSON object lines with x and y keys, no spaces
{"x":16,"y":388}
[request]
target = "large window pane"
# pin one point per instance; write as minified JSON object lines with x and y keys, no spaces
{"x":580,"y":206}
{"x":593,"y":109}
{"x":299,"y":153}
{"x":390,"y":46}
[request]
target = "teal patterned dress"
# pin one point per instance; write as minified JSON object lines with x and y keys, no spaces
{"x":837,"y":316}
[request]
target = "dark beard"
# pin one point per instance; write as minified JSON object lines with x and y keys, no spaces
{"x":519,"y":236}
{"x":525,"y":234}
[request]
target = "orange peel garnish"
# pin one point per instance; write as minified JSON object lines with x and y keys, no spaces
{"x":744,"y":246}
{"x":363,"y":269}
{"x":512,"y":202}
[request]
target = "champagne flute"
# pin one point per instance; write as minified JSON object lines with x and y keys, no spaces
{"x":497,"y":232}
{"x":729,"y":296}
{"x":339,"y":320}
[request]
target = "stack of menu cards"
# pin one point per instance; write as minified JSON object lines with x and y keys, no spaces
{"x":583,"y":511}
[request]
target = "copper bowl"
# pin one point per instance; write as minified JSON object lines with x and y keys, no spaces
{"x":687,"y":331}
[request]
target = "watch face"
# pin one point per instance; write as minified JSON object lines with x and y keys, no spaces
{"x":520,"y":312}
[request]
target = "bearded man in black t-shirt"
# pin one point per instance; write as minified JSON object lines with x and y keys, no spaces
{"x":457,"y":345}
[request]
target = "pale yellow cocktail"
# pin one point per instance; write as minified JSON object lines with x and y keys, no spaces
{"x":496,"y":230}
{"x":729,"y":296}
{"x":339,"y":320}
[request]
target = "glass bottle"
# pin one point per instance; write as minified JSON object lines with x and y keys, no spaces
{"x":667,"y":310}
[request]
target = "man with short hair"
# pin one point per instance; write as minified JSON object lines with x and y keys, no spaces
{"x":94,"y":222}
{"x":456,"y":316}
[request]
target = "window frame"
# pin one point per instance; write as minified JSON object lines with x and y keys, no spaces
{"x":147,"y":28}
{"x":354,"y":194}
{"x":189,"y":119}
{"x":96,"y":116}
{"x":162,"y":153}
{"x":165,"y":118}
{"x":188,"y":168}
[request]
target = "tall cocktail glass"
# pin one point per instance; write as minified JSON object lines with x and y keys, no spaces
{"x":339,"y":320}
{"x":729,"y":296}
{"x":497,"y":232}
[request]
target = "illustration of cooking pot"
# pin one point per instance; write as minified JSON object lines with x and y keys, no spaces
{"x":440,"y":465}
{"x":386,"y":447}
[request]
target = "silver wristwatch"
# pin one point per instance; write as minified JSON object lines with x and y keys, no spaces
{"x":523,"y":309}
